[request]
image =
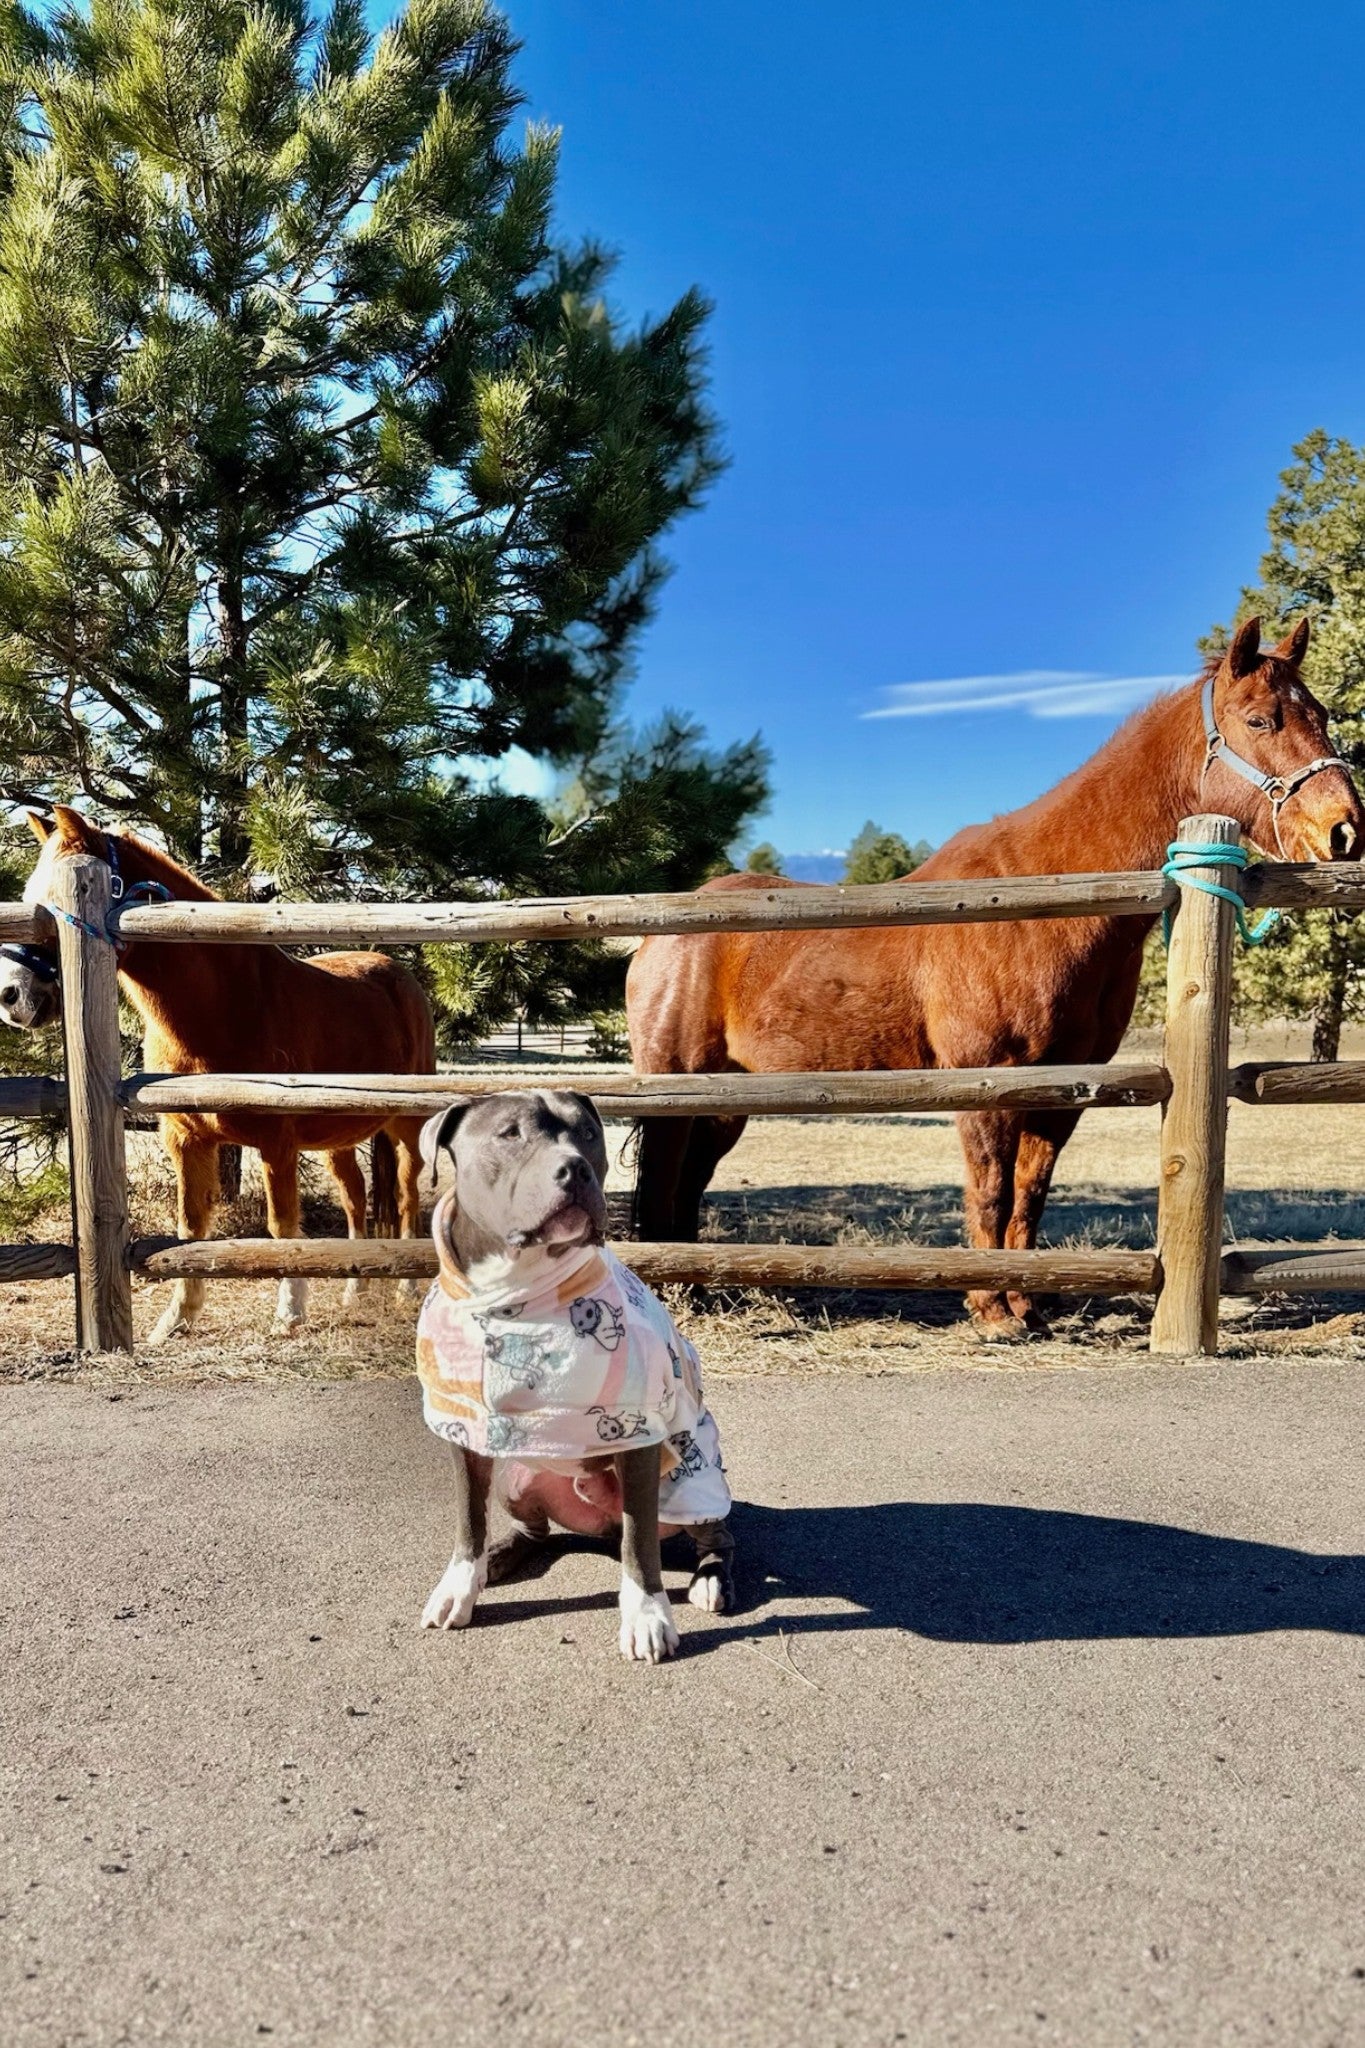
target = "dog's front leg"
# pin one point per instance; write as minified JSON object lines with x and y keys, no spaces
{"x":647,"y":1630}
{"x":457,"y":1591}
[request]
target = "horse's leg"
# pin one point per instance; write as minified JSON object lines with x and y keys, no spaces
{"x":1040,"y":1141}
{"x":195,"y":1160}
{"x":407,"y":1137}
{"x":712,"y":1137}
{"x":280,"y":1170}
{"x":990,"y":1142}
{"x":663,"y":1146}
{"x":345,"y":1171}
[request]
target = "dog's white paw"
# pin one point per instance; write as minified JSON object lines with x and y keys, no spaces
{"x":647,"y":1631}
{"x":456,"y":1594}
{"x":707,"y":1591}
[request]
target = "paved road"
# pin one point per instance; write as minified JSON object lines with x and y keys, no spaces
{"x":1074,"y":1753}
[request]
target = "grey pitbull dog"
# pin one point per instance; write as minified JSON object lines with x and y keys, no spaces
{"x":529,"y":1173}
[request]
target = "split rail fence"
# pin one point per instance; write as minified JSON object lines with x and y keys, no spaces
{"x":1186,"y":1272}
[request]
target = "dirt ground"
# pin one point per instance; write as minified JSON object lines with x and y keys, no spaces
{"x":1294,"y":1175}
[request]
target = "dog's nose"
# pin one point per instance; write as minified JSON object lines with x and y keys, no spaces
{"x":572,"y":1171}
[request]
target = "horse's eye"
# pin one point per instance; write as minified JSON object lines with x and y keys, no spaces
{"x":1260,"y":724}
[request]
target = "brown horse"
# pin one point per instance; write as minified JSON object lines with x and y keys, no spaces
{"x":1247,"y":739}
{"x":224,"y":1009}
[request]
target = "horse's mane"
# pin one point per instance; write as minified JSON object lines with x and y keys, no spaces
{"x":160,"y":867}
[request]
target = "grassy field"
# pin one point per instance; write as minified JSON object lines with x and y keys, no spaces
{"x":1293,"y":1175}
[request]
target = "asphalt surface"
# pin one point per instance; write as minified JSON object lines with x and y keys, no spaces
{"x":1042,"y":1722}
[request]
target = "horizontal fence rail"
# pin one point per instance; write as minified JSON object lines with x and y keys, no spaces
{"x":1305,"y":885}
{"x":22,"y":924}
{"x":37,"y":1261}
{"x":717,"y":1265}
{"x":919,"y":1268}
{"x":632,"y":1095}
{"x":808,"y":907}
{"x":1284,"y":1269}
{"x":1298,"y":1081}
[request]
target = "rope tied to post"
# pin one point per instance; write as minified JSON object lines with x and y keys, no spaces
{"x":125,"y":895}
{"x":1184,"y":860}
{"x":138,"y":892}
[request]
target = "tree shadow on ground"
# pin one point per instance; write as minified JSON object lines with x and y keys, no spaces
{"x":877,"y":1212}
{"x":975,"y":1572}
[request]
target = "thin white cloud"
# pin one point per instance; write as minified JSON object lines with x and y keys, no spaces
{"x":1041,"y":692}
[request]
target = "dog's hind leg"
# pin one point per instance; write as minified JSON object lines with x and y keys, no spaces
{"x":529,"y":1541}
{"x":712,"y":1585}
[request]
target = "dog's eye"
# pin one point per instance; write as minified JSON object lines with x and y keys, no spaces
{"x":510,"y":1131}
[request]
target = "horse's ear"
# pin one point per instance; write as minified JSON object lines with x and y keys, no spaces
{"x":1294,"y":645}
{"x":71,"y":826}
{"x":1244,"y":655}
{"x":438,"y":1132}
{"x":39,"y":826}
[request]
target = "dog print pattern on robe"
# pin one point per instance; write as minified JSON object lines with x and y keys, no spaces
{"x":577,"y":1360}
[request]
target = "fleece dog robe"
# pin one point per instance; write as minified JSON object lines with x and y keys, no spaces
{"x":571,"y":1360}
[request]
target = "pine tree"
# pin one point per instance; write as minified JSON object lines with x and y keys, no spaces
{"x":326,"y":475}
{"x":878,"y":856}
{"x":1314,"y":964}
{"x":763,"y":859}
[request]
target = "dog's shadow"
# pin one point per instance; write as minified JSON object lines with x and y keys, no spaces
{"x":973,"y":1572}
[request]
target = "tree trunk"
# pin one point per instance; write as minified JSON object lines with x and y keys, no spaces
{"x":234,"y":711}
{"x":1327,"y":1018}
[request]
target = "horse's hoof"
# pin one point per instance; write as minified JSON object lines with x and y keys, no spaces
{"x":406,"y":1290}
{"x":1000,"y":1330}
{"x":288,"y":1326}
{"x":169,"y":1326}
{"x":350,"y":1293}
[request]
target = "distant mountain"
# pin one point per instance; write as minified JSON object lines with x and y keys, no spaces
{"x":814,"y":867}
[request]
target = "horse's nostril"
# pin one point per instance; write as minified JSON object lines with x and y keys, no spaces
{"x":9,"y":997}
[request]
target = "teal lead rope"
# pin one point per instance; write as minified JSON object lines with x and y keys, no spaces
{"x":1184,"y":859}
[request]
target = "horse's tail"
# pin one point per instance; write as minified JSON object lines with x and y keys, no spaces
{"x":383,"y":1186}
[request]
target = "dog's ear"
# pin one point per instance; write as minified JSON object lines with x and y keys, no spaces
{"x":438,"y":1132}
{"x":584,"y":1104}
{"x":585,"y":1109}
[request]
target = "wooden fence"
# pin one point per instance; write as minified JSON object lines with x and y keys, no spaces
{"x":1186,"y":1273}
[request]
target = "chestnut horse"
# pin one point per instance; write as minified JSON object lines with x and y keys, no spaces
{"x":1246,"y":739}
{"x":251,"y":1009}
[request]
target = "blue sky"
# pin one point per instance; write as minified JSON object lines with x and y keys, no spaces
{"x":1019,"y":311}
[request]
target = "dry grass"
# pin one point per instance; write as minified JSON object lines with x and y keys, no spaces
{"x":1294,"y":1175}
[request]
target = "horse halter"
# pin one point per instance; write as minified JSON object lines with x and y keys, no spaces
{"x":123,"y":896}
{"x":42,"y":966}
{"x":1277,"y":789}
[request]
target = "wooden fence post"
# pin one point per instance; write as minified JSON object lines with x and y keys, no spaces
{"x":1195,"y":1117}
{"x":99,"y":1172}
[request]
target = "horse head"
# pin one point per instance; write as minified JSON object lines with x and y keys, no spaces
{"x":30,"y":993}
{"x":1269,"y":760}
